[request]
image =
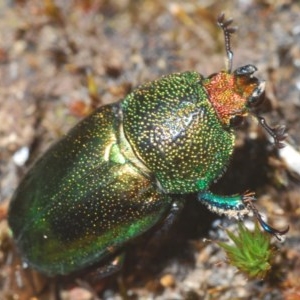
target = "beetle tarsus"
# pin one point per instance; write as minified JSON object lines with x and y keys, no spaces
{"x":278,"y":133}
{"x":277,"y":233}
{"x":248,"y":200}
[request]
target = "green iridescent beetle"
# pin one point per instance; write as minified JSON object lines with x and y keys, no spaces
{"x":112,"y":177}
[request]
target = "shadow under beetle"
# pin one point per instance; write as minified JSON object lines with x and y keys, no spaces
{"x":112,"y":177}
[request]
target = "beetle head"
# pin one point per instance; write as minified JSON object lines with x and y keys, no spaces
{"x":235,"y":95}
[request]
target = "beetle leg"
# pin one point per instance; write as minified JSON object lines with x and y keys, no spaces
{"x":237,"y":206}
{"x":231,"y":206}
{"x":170,"y":219}
{"x":112,"y":266}
{"x":248,"y":200}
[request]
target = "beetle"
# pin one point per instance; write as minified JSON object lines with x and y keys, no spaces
{"x":114,"y":175}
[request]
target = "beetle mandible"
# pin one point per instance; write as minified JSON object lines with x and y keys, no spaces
{"x":112,"y":177}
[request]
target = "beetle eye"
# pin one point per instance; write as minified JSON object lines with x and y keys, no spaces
{"x":257,"y":96}
{"x":236,"y":121}
{"x":256,"y":101}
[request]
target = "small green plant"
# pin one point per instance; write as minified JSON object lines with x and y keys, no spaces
{"x":252,"y":251}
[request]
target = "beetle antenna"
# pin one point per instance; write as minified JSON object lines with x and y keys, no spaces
{"x":278,"y":133}
{"x":227,"y":30}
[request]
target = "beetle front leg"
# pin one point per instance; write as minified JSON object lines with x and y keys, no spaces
{"x":237,"y":206}
{"x":231,"y":206}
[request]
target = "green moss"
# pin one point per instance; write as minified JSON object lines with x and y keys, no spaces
{"x":251,"y":253}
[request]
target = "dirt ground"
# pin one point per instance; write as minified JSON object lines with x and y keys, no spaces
{"x":61,"y":59}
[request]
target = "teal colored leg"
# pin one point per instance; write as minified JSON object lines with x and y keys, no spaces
{"x":231,"y":206}
{"x":237,"y":206}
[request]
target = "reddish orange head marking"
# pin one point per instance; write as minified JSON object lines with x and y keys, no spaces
{"x":231,"y":93}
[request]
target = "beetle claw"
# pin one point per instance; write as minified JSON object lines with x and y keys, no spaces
{"x":248,"y":200}
{"x":277,"y":233}
{"x":278,"y":133}
{"x":280,"y":136}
